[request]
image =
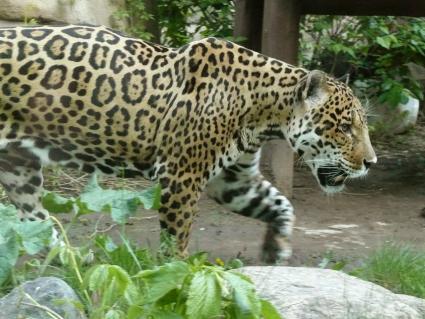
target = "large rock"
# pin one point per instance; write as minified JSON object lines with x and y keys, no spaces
{"x":96,"y":12}
{"x":310,"y":293}
{"x":48,"y":293}
{"x":395,"y":120}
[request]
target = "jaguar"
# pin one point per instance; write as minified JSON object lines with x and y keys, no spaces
{"x":193,"y":118}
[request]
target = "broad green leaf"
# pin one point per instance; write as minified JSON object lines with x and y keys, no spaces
{"x":8,"y":215}
{"x":111,"y":283}
{"x":120,"y":203}
{"x":169,"y":298}
{"x":163,"y":279}
{"x":34,"y":235}
{"x":247,"y":304}
{"x":121,"y":276}
{"x":384,"y":29}
{"x":65,"y":254}
{"x":9,"y":252}
{"x":383,"y":42}
{"x":92,"y":184}
{"x":9,"y":245}
{"x":101,"y":276}
{"x":55,"y":203}
{"x":268,"y":311}
{"x":135,"y":312}
{"x":132,"y":294}
{"x":204,"y":300}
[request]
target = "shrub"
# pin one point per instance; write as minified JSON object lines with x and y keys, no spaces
{"x":374,"y":51}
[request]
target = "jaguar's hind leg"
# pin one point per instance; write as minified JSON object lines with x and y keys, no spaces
{"x":21,"y":177}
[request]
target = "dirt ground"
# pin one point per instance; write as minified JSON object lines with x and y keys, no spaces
{"x":386,"y":206}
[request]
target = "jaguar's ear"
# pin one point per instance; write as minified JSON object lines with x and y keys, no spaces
{"x":313,"y":89}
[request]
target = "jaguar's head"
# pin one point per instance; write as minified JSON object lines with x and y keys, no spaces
{"x":329,"y":130}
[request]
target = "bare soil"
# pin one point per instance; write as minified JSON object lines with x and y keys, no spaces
{"x":388,"y":205}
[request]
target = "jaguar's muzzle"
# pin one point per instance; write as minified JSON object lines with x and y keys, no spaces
{"x":331,"y":176}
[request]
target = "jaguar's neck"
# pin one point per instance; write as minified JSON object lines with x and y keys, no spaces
{"x":272,"y":91}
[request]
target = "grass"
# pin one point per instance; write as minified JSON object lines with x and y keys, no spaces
{"x":397,"y":267}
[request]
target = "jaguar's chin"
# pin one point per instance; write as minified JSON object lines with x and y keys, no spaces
{"x":331,"y":178}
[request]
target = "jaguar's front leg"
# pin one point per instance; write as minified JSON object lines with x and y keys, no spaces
{"x":179,"y":205}
{"x":242,"y":189}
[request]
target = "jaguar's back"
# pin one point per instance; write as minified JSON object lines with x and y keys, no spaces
{"x":91,"y":91}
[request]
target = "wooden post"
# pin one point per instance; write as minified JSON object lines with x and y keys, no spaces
{"x":249,"y":23}
{"x":280,"y":40}
{"x":152,"y":25}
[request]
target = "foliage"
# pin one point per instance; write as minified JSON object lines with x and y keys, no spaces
{"x":193,"y":288}
{"x":396,"y":267}
{"x":180,"y":21}
{"x":329,"y":261}
{"x":120,"y":203}
{"x":16,"y":236}
{"x":136,"y":16}
{"x":120,"y":280}
{"x":178,"y":289}
{"x":372,"y":50}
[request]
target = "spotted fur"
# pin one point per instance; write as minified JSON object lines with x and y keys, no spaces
{"x":193,"y":118}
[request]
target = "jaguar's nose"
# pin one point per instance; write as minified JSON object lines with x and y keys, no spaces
{"x":367,"y":163}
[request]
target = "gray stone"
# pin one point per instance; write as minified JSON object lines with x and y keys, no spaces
{"x":6,"y":23}
{"x":47,"y":293}
{"x":311,"y":293}
{"x":398,"y":119}
{"x":96,"y":12}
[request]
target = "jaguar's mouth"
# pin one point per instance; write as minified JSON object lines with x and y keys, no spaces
{"x":331,"y":176}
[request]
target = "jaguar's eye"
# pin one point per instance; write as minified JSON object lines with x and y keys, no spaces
{"x":346,"y":128}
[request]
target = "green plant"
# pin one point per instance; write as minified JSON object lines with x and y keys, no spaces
{"x":179,"y":20}
{"x":373,"y":50}
{"x":178,"y":289}
{"x":329,"y":261}
{"x":17,"y":237}
{"x":399,"y":268}
{"x":29,"y":237}
{"x":122,"y":280}
{"x":121,"y":204}
{"x":136,"y":15}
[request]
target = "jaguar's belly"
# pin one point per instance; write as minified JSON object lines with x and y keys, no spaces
{"x":89,"y":159}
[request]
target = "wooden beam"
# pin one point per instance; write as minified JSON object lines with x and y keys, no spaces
{"x":280,"y":40}
{"x":414,"y":8}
